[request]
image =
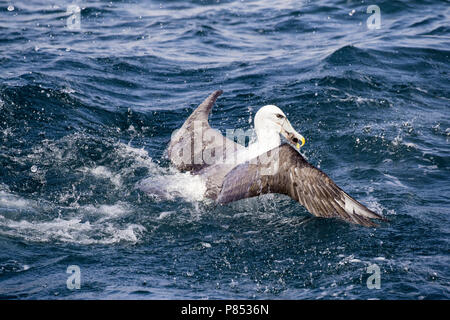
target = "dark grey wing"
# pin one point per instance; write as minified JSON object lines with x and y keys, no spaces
{"x":285,"y":171}
{"x":196,"y":145}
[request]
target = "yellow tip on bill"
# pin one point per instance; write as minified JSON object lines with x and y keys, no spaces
{"x":302,"y":139}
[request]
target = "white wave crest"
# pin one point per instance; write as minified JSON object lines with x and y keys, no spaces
{"x":71,"y":231}
{"x":170,"y":186}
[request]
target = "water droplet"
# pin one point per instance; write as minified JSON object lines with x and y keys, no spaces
{"x":34,"y":169}
{"x":206,"y":245}
{"x":10,"y":7}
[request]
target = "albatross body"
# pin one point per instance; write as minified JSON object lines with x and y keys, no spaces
{"x":233,"y":172}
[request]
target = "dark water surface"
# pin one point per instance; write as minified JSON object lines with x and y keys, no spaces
{"x":86,"y":114}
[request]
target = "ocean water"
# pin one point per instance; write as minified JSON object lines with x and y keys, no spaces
{"x":88,"y":102}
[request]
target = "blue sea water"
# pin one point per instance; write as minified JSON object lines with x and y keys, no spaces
{"x":87,"y":110}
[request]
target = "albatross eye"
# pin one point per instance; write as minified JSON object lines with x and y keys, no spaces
{"x":279,"y":116}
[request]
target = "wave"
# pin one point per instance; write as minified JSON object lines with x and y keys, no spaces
{"x":71,"y":231}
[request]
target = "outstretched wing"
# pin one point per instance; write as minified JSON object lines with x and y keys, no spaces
{"x":196,"y":145}
{"x":283,"y":170}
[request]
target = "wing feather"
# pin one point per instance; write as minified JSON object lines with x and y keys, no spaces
{"x":195,"y":145}
{"x":298,"y":179}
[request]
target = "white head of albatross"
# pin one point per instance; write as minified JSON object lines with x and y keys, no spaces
{"x":270,"y":122}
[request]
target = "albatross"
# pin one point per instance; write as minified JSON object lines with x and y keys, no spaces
{"x":232,"y":172}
